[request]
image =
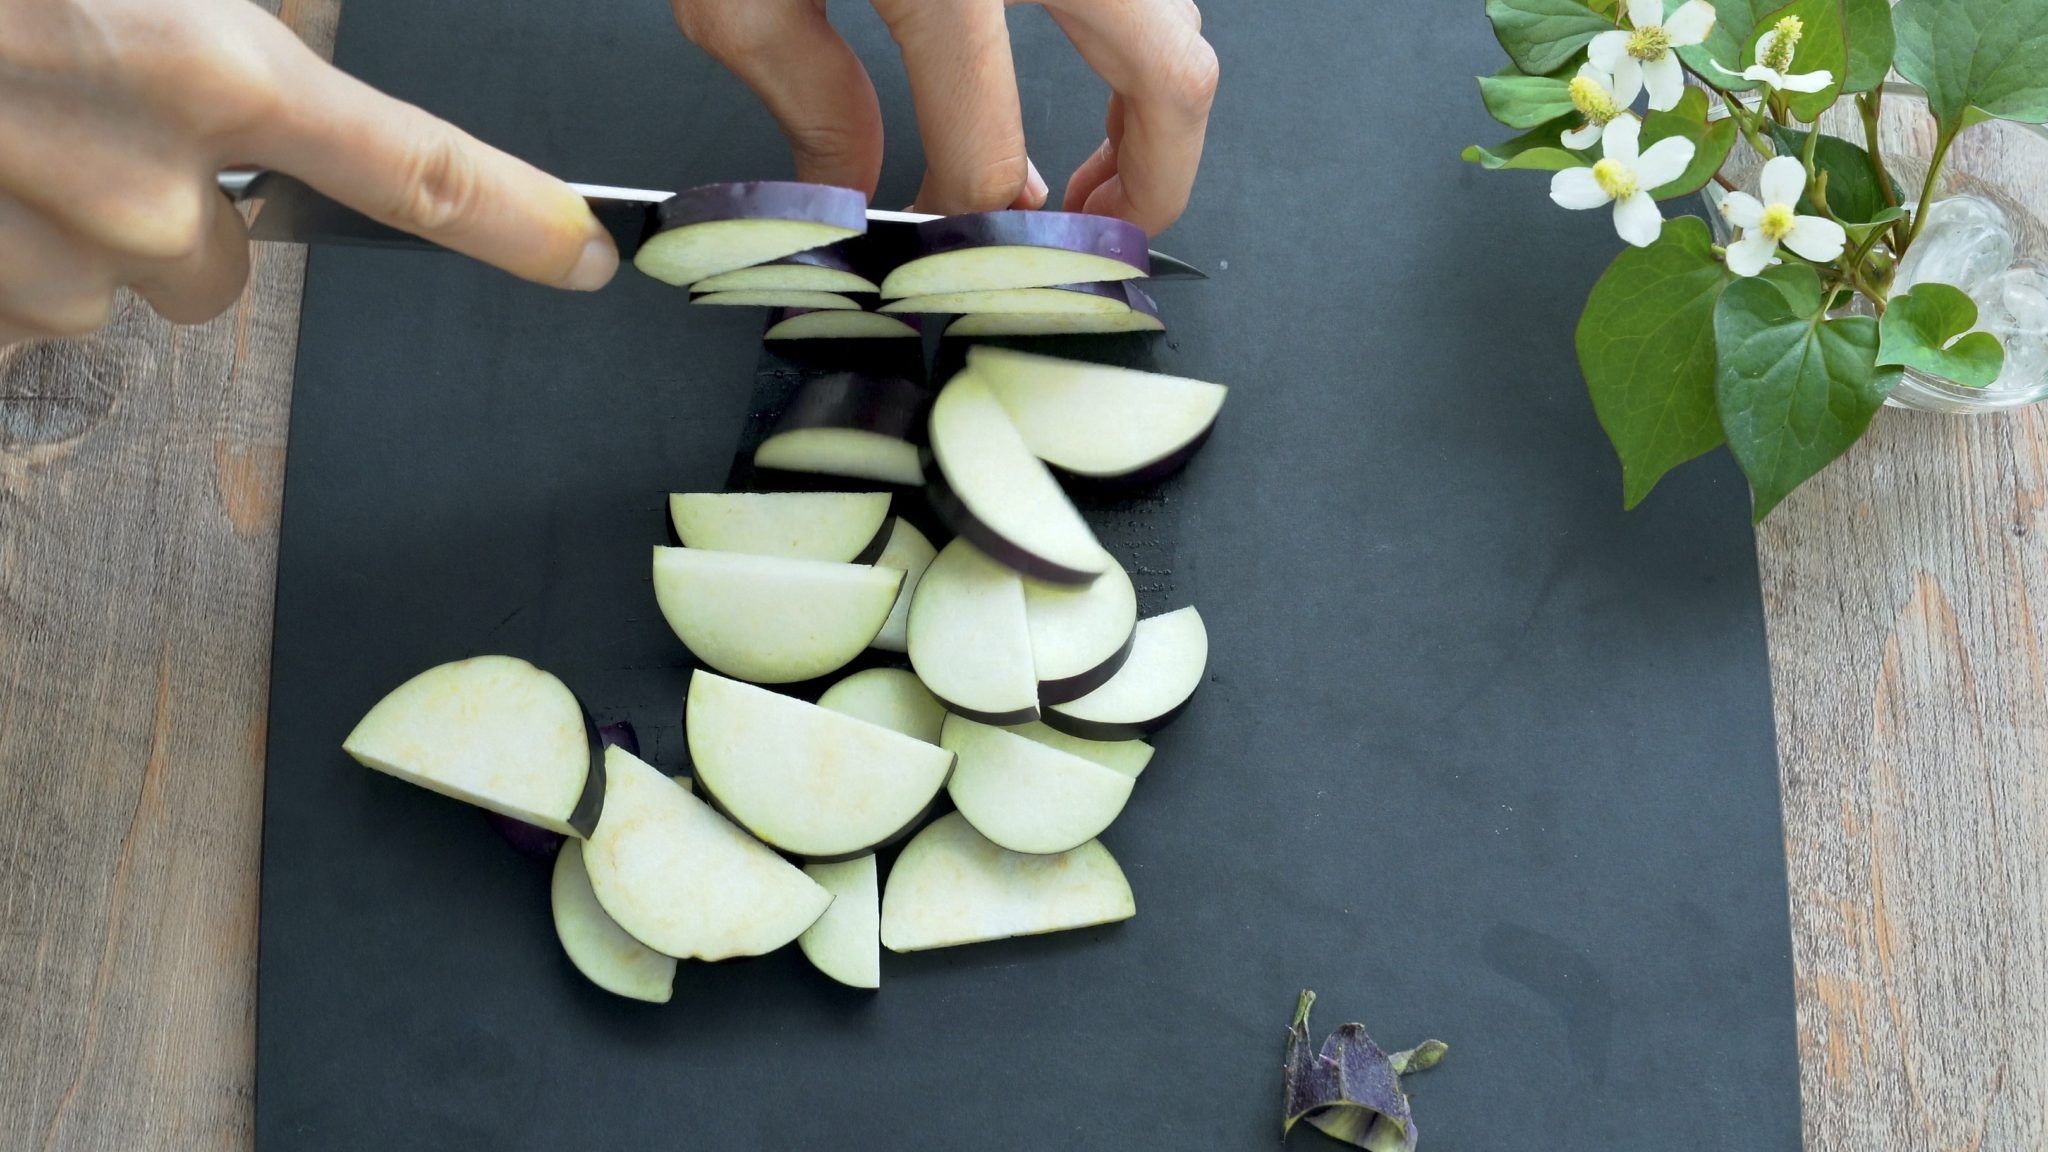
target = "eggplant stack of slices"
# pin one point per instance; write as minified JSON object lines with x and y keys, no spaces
{"x":1031,"y":680}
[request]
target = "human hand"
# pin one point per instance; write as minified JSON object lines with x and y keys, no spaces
{"x":116,"y":115}
{"x":957,"y":52}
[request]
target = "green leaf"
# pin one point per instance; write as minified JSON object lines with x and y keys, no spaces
{"x":1520,"y":101}
{"x":1925,"y":329}
{"x":1541,"y":36}
{"x":1871,"y":43}
{"x":1793,"y":391}
{"x":1990,"y":55}
{"x":1538,"y":150}
{"x":1853,"y":191}
{"x":1823,"y":46}
{"x":1858,"y":233}
{"x":1729,"y":44}
{"x":1711,"y":142}
{"x":1646,"y":347}
{"x":1798,"y":283}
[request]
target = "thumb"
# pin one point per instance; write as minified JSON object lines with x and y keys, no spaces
{"x":400,"y":166}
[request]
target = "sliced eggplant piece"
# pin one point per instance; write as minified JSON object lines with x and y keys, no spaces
{"x":1142,"y":317}
{"x":597,"y":946}
{"x":836,"y":324}
{"x":969,"y":640}
{"x":952,"y":886}
{"x":1080,"y":299}
{"x":1126,"y":756}
{"x":778,"y":298}
{"x":494,"y":731}
{"x":846,"y":942}
{"x":911,"y":553}
{"x":1165,"y":667}
{"x":979,"y":251}
{"x":685,"y":881}
{"x":851,"y":527}
{"x":721,"y":227}
{"x":771,"y":619}
{"x":807,"y":779}
{"x":1080,"y":633}
{"x":891,"y":697}
{"x":818,"y":270}
{"x":850,"y":424}
{"x":1028,"y":796}
{"x":1098,"y":420}
{"x":541,"y":844}
{"x":846,"y":452}
{"x":988,"y":487}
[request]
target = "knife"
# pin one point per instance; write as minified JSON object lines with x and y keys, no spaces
{"x":292,"y":211}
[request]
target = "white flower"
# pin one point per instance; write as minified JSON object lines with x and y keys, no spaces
{"x":1766,"y":222}
{"x":1594,"y":94}
{"x":1625,"y":177}
{"x":1774,"y":50}
{"x":1644,"y":57}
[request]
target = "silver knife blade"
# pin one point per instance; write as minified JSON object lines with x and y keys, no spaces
{"x":292,"y":211}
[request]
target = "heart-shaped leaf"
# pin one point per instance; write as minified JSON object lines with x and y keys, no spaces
{"x":1925,"y":329}
{"x":1794,"y":391}
{"x":1541,"y":36}
{"x":1854,"y":193}
{"x":1871,"y":43}
{"x":1823,"y":47}
{"x":1520,"y":101}
{"x":1646,"y":347}
{"x":1990,"y":55}
{"x":1711,"y":142}
{"x":1538,"y":150}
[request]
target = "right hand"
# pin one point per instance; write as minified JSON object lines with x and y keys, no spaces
{"x":116,"y":116}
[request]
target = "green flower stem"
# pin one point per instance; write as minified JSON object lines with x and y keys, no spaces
{"x":1749,"y":125}
{"x":1945,"y":137}
{"x":1871,"y":104}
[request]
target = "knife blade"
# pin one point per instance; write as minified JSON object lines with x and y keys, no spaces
{"x":292,"y":211}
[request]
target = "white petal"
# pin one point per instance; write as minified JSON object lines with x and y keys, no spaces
{"x":1763,"y":46}
{"x":1806,"y":81}
{"x":1816,"y":238}
{"x":1716,"y":66}
{"x":1664,"y":77}
{"x":1598,"y":75}
{"x":1761,"y":75}
{"x":1584,"y":136}
{"x":1783,"y":179}
{"x":1619,"y":141}
{"x":1664,"y":161}
{"x":1742,"y":210}
{"x":1751,"y":254}
{"x":1628,"y":84}
{"x":1690,"y":24}
{"x":1638,"y":220}
{"x":1575,"y":188}
{"x":1645,"y":13}
{"x":1608,"y":51}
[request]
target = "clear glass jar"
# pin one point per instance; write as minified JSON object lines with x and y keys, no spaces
{"x":1998,"y":160}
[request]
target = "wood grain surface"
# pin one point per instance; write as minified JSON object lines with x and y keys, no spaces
{"x":139,"y":489}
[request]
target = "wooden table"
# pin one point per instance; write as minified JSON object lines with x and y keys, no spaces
{"x":140,"y":475}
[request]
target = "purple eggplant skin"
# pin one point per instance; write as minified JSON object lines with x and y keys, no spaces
{"x":1151,"y":473}
{"x":1082,"y":683}
{"x":542,"y":844}
{"x":1104,"y":236}
{"x":1099,"y":730}
{"x":761,"y":200}
{"x":961,"y":521}
{"x":885,"y":405}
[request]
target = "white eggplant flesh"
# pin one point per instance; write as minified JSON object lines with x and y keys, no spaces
{"x":1029,"y":796}
{"x":843,"y":526}
{"x":910,"y":552}
{"x":969,"y":640}
{"x":891,"y":697}
{"x":770,"y":619}
{"x":1167,"y":660}
{"x":605,"y":953}
{"x":989,"y":488}
{"x":952,"y":886}
{"x":846,"y":942}
{"x":851,"y":452}
{"x":1098,"y":420}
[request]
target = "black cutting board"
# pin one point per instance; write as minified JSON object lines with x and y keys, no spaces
{"x":1479,"y":757}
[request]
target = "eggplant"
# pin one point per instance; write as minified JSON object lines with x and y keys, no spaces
{"x":683,"y":880}
{"x":952,"y":886}
{"x":849,"y":527}
{"x":818,"y":270}
{"x":494,"y":731}
{"x":986,"y":485}
{"x":969,"y":639}
{"x":1142,"y":317}
{"x":542,"y":844}
{"x":1127,"y":756}
{"x":836,"y":324}
{"x":1081,"y":634}
{"x":979,"y":251}
{"x":846,"y":942}
{"x":891,"y":697}
{"x":604,"y":952}
{"x":851,"y":424}
{"x":805,"y":779}
{"x":1028,"y":796}
{"x":717,"y":228}
{"x":1165,"y":667}
{"x":1098,"y":420}
{"x":910,"y":552}
{"x":779,"y":298}
{"x":1087,"y":299}
{"x":771,"y":619}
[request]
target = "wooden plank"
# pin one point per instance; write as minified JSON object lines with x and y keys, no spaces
{"x":139,"y":485}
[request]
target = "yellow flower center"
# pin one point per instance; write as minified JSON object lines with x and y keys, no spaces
{"x":1593,"y":100}
{"x":1778,"y":221}
{"x":1649,"y":43}
{"x":1616,"y":179}
{"x":1784,"y":42}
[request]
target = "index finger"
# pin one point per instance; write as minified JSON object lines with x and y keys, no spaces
{"x":964,"y":85}
{"x":1152,"y":55}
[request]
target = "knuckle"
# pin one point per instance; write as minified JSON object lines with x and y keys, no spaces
{"x":993,"y":184}
{"x":728,"y":31}
{"x":439,"y":187}
{"x":1193,"y":73}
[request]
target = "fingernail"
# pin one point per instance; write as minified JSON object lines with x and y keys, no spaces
{"x":1034,"y":183}
{"x":595,"y":266}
